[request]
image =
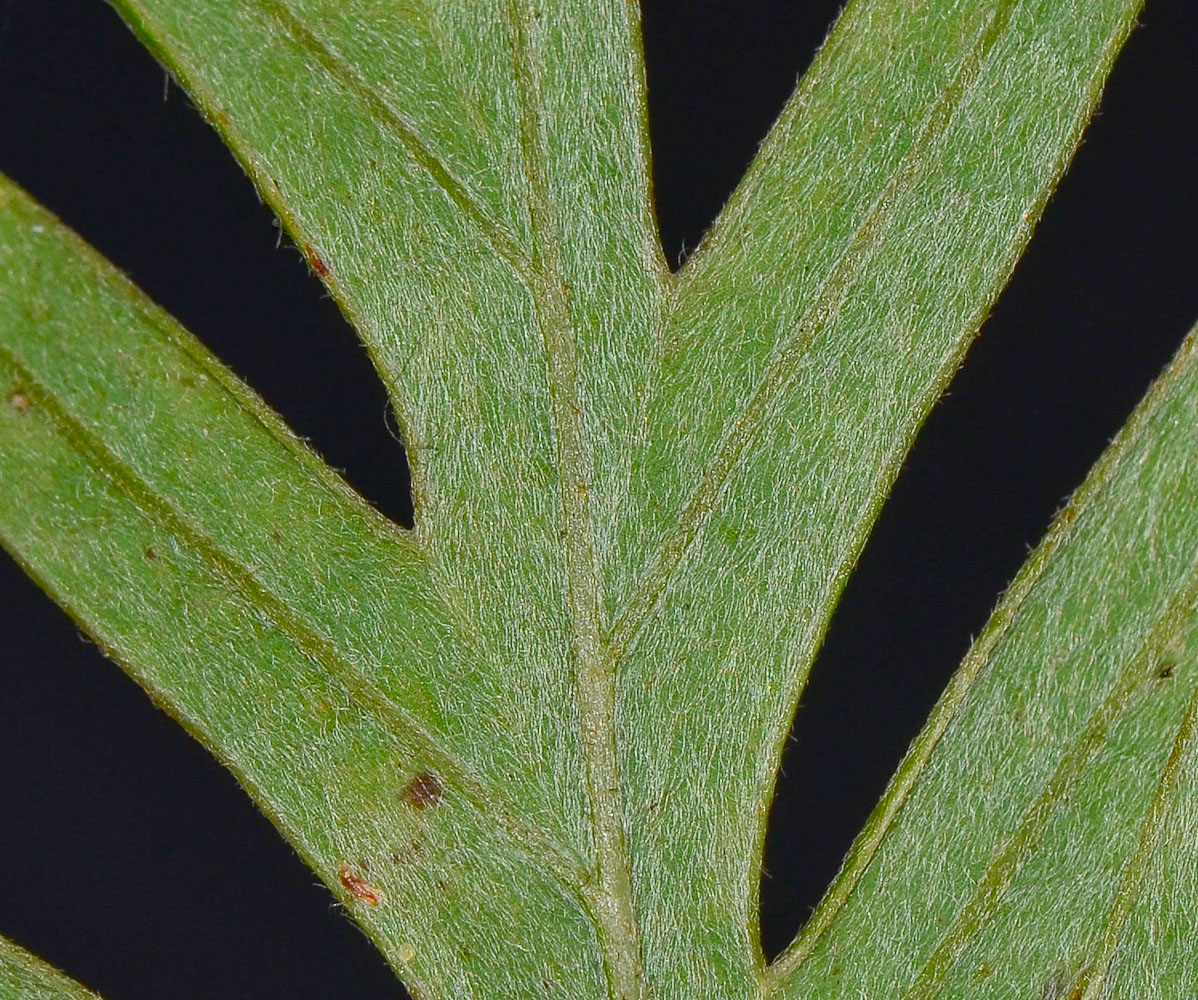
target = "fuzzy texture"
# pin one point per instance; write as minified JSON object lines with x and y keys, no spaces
{"x":24,"y":977}
{"x":530,"y":745}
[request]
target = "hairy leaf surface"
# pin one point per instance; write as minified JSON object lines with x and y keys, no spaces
{"x":531,"y":744}
{"x":280,"y":620}
{"x":1058,"y":757}
{"x":23,"y":976}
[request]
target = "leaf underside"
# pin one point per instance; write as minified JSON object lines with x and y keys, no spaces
{"x":530,"y":744}
{"x":25,"y":977}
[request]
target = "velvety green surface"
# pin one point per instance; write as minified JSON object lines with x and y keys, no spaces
{"x":530,"y":744}
{"x":23,"y":977}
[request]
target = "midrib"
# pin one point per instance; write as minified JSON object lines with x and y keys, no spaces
{"x":610,"y":896}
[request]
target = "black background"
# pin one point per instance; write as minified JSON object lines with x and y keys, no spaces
{"x":133,"y":861}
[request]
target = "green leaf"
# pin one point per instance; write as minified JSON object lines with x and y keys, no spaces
{"x":24,"y":977}
{"x":531,"y":744}
{"x":283,"y":622}
{"x":804,"y":346}
{"x":1061,"y":755}
{"x":504,"y":275}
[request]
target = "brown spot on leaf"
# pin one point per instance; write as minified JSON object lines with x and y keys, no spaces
{"x":358,"y":887}
{"x":423,"y":790}
{"x":19,"y":401}
{"x":150,"y":554}
{"x":314,"y":261}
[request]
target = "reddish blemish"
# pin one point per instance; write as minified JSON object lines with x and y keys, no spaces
{"x":358,"y":887}
{"x":423,"y":790}
{"x":314,"y":262}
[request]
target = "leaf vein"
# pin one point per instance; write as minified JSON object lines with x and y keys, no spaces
{"x":315,"y":646}
{"x":787,"y":361}
{"x":1009,"y":859}
{"x":341,"y":70}
{"x":611,"y":904}
{"x":880,"y":822}
{"x":1090,"y":983}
